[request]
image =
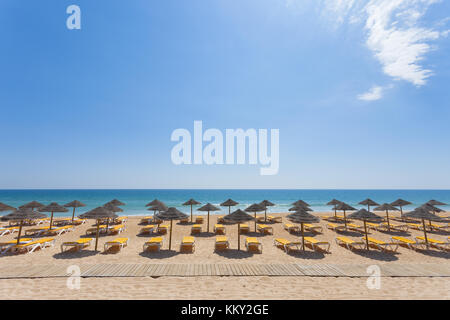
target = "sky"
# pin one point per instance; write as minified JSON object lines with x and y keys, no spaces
{"x":359,"y":91}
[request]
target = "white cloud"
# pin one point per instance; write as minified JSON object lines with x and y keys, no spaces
{"x":375,"y":93}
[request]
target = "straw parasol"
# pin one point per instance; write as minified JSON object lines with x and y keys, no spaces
{"x":300,"y":202}
{"x":256,"y":207}
{"x":238,"y":217}
{"x":98,"y":213}
{"x":369,"y":202}
{"x":436,"y":203}
{"x":301,"y":216}
{"x":116,"y":203}
{"x":192,"y":202}
{"x":52,"y":207}
{"x":32,"y":205}
{"x":229,"y":203}
{"x":344,"y":207}
{"x":300,"y":207}
{"x":386,"y":207}
{"x":154,"y":203}
{"x":400,"y":203}
{"x":334,"y":203}
{"x":208,"y":207}
{"x":365,"y":215}
{"x":423,"y":214}
{"x":5,"y":207}
{"x":74,"y":204}
{"x":160,"y":206}
{"x":431,"y":208}
{"x":111,"y":207}
{"x":266,"y":203}
{"x":171,"y":214}
{"x":23,"y":214}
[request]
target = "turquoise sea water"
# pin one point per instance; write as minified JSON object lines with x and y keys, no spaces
{"x":135,"y":200}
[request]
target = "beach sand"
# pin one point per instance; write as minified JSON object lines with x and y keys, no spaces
{"x":256,"y":287}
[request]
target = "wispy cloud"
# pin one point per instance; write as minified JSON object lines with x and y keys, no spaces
{"x":375,"y":93}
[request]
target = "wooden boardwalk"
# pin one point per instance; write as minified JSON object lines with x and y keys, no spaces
{"x":219,"y":269}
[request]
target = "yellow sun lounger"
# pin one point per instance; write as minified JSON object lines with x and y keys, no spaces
{"x":219,"y":229}
{"x":187,"y":244}
{"x":220,"y":219}
{"x":116,"y":229}
{"x":405,"y":242}
{"x":196,"y":228}
{"x":252,"y":244}
{"x":101,"y":229}
{"x":59,"y":231}
{"x":416,"y":226}
{"x":36,"y":231}
{"x":221,"y":243}
{"x":381,"y":245}
{"x":393,"y":226}
{"x":147,"y":220}
{"x":147,"y":230}
{"x":244,"y":228}
{"x":154,"y":244}
{"x":163,"y":228}
{"x":336,"y":227}
{"x":437,"y":227}
{"x":118,"y":243}
{"x":76,"y":245}
{"x":264,"y":229}
{"x":6,"y":246}
{"x":317,"y":245}
{"x":199,"y":220}
{"x":30,"y":247}
{"x":286,"y":245}
{"x":438,"y":244}
{"x":313,"y":228}
{"x":291,"y":227}
{"x":350,"y":244}
{"x":184,"y":220}
{"x":8,"y":230}
{"x":274,"y":219}
{"x":355,"y":227}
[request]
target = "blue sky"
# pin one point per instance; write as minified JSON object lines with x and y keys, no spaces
{"x":358,"y":89}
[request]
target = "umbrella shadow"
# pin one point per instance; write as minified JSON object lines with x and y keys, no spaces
{"x":396,"y":233}
{"x":377,"y":255}
{"x":162,"y":254}
{"x":255,"y":234}
{"x":438,"y":232}
{"x":70,"y":254}
{"x":307,"y":254}
{"x":204,"y":234}
{"x":351,"y":233}
{"x":234,"y":254}
{"x":435,"y":253}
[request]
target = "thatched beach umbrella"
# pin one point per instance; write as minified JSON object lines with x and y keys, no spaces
{"x":431,"y":208}
{"x":160,"y":206}
{"x":302,"y":217}
{"x":400,"y":203}
{"x":22,"y":215}
{"x":369,"y":202}
{"x":32,"y":205}
{"x":265,"y":204}
{"x":5,"y":207}
{"x":52,"y":207}
{"x":344,"y":207}
{"x":386,"y":207}
{"x":300,"y":207}
{"x":99,"y":213}
{"x":365,"y":215}
{"x":256,"y":207}
{"x":116,"y":203}
{"x":238,"y":217}
{"x":300,"y":203}
{"x":436,"y":203}
{"x":229,"y":203}
{"x":154,"y":203}
{"x":334,"y":203}
{"x":423,"y":214}
{"x":192,"y":202}
{"x":171,"y":214}
{"x":208,"y":207}
{"x":111,"y":207}
{"x":74,"y":204}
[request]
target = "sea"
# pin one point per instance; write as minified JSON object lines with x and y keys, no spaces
{"x":136,"y":199}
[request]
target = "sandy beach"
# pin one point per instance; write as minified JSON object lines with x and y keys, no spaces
{"x":256,"y":287}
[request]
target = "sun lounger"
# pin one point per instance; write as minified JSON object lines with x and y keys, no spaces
{"x":118,"y":243}
{"x":30,"y":247}
{"x":438,"y":244}
{"x":196,"y":228}
{"x":8,"y":230}
{"x":287,"y":245}
{"x":116,"y":229}
{"x":381,"y":245}
{"x":163,"y":228}
{"x":187,"y":244}
{"x":219,"y":229}
{"x":146,"y":220}
{"x":93,"y":230}
{"x":62,"y":221}
{"x":59,"y":231}
{"x":220,"y":219}
{"x":394,"y":227}
{"x":244,"y":228}
{"x":336,"y":227}
{"x":120,"y":220}
{"x":221,"y":243}
{"x":416,"y":226}
{"x":313,"y":228}
{"x":274,"y":219}
{"x":154,"y":244}
{"x":7,"y":245}
{"x":405,"y":242}
{"x":252,"y":244}
{"x":76,"y":245}
{"x":291,"y":227}
{"x":147,"y":230}
{"x":264,"y":229}
{"x":355,"y":227}
{"x":317,"y":245}
{"x":185,"y":220}
{"x":260,"y":219}
{"x":199,"y":220}
{"x":373,"y":226}
{"x":440,"y":228}
{"x":350,"y":244}
{"x":36,"y":231}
